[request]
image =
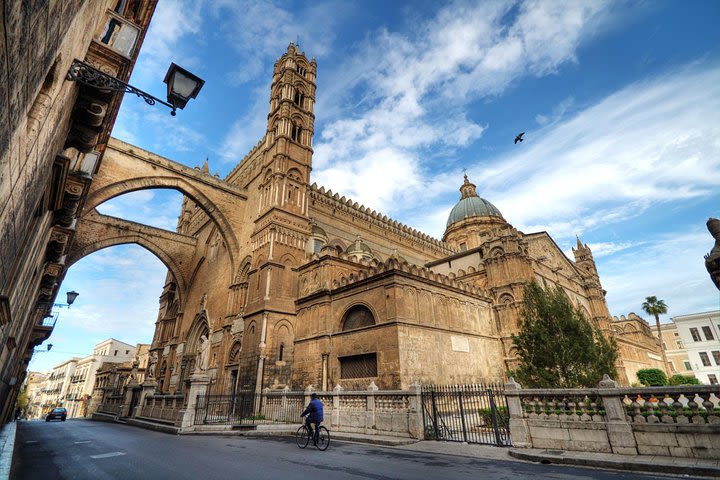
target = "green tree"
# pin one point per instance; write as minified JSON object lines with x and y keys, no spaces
{"x":557,"y":346}
{"x":22,"y":400}
{"x":652,"y":377}
{"x":653,"y":306}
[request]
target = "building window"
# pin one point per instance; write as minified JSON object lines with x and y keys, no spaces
{"x":687,"y":366}
{"x":358,"y":366}
{"x":708,"y":333}
{"x":679,"y":343}
{"x":282,"y":350}
{"x":463,"y":247}
{"x":115,"y":353}
{"x":716,"y":356}
{"x":713,"y":379}
{"x":695,"y":334}
{"x":317,"y":245}
{"x":705,"y":359}
{"x":357,"y":317}
{"x":676,"y":334}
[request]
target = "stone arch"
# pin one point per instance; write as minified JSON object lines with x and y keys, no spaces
{"x":357,"y":315}
{"x":186,"y":188}
{"x":283,"y":340}
{"x":233,"y":357}
{"x":199,"y":327}
{"x":165,"y":257}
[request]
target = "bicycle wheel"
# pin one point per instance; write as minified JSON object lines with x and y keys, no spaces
{"x":302,"y":437}
{"x":323,"y":439}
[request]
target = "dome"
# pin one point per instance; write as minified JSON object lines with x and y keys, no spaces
{"x":471,"y":205}
{"x":358,"y":247}
{"x":317,"y":231}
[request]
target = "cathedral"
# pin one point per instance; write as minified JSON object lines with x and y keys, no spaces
{"x":322,"y":291}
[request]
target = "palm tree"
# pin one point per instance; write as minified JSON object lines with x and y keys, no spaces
{"x":653,"y":306}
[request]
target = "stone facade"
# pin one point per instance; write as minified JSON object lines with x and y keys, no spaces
{"x":275,"y":282}
{"x":638,"y":347}
{"x":52,"y":137}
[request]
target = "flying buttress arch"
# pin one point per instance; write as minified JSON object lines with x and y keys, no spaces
{"x":182,"y":185}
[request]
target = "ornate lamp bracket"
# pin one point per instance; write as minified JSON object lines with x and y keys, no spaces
{"x":85,"y":74}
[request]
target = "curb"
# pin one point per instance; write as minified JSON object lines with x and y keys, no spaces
{"x":667,"y":468}
{"x":7,"y":447}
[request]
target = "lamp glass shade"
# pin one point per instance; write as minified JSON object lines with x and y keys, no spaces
{"x":182,"y":85}
{"x":71,"y":296}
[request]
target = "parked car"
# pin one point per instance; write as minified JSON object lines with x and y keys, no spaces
{"x":58,"y":413}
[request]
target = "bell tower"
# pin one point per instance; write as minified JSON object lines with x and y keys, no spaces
{"x":282,"y":225}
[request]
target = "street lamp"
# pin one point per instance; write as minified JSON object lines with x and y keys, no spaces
{"x":71,"y":296}
{"x":182,"y":85}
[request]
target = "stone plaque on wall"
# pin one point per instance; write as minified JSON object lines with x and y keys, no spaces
{"x":460,"y":344}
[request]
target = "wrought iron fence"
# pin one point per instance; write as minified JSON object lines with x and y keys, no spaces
{"x":466,"y":413}
{"x":249,"y":408}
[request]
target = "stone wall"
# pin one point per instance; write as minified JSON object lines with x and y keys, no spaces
{"x":668,"y":421}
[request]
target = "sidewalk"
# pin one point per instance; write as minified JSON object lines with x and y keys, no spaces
{"x":652,"y":464}
{"x":7,"y":445}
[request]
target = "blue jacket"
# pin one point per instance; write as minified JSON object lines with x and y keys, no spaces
{"x":314,"y":411}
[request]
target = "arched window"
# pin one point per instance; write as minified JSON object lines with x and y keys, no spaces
{"x":282,"y":351}
{"x":296,"y":133}
{"x":357,"y":317}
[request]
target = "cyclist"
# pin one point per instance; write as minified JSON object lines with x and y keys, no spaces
{"x":314,"y":412}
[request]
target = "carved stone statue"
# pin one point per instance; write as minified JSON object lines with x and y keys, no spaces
{"x":203,"y":301}
{"x":201,"y":362}
{"x":712,"y":259}
{"x":152,"y":361}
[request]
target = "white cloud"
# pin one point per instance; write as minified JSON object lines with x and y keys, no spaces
{"x":416,"y":91}
{"x":157,"y":208}
{"x":652,"y":142}
{"x":670,"y":266}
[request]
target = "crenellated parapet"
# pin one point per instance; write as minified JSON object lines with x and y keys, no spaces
{"x":341,"y":203}
{"x":365,"y":269}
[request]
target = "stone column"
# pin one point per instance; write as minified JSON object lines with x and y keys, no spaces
{"x":148,"y":388}
{"x":370,"y":414}
{"x":129,"y":389}
{"x":335,"y":421}
{"x":198,"y":386}
{"x":415,"y":414}
{"x":519,"y":430}
{"x":619,"y":431}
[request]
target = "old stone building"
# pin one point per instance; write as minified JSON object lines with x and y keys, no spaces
{"x":637,"y":346}
{"x":52,"y":135}
{"x":274,"y":281}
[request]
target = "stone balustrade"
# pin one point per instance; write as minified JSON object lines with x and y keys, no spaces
{"x":112,"y":404}
{"x":372,"y":411}
{"x":681,"y":421}
{"x":167,"y":408}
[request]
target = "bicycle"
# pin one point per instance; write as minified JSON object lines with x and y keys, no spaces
{"x":302,"y":437}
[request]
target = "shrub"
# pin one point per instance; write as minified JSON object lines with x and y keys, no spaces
{"x":678,"y":379}
{"x":652,"y":377}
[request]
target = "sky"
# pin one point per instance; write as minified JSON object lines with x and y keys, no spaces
{"x":619,"y":102}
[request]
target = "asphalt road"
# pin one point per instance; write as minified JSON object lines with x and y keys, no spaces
{"x":81,"y":449}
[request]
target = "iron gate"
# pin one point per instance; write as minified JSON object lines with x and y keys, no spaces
{"x":466,"y":413}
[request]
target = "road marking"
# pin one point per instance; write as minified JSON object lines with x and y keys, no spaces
{"x":108,"y":455}
{"x":84,"y":441}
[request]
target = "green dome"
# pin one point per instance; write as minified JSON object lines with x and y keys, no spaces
{"x":471,"y":205}
{"x":358,"y":247}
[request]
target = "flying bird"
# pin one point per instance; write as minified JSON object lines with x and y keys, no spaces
{"x":519,"y":137}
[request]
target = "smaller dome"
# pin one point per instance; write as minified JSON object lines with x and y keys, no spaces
{"x":358,"y":247}
{"x":317,"y":231}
